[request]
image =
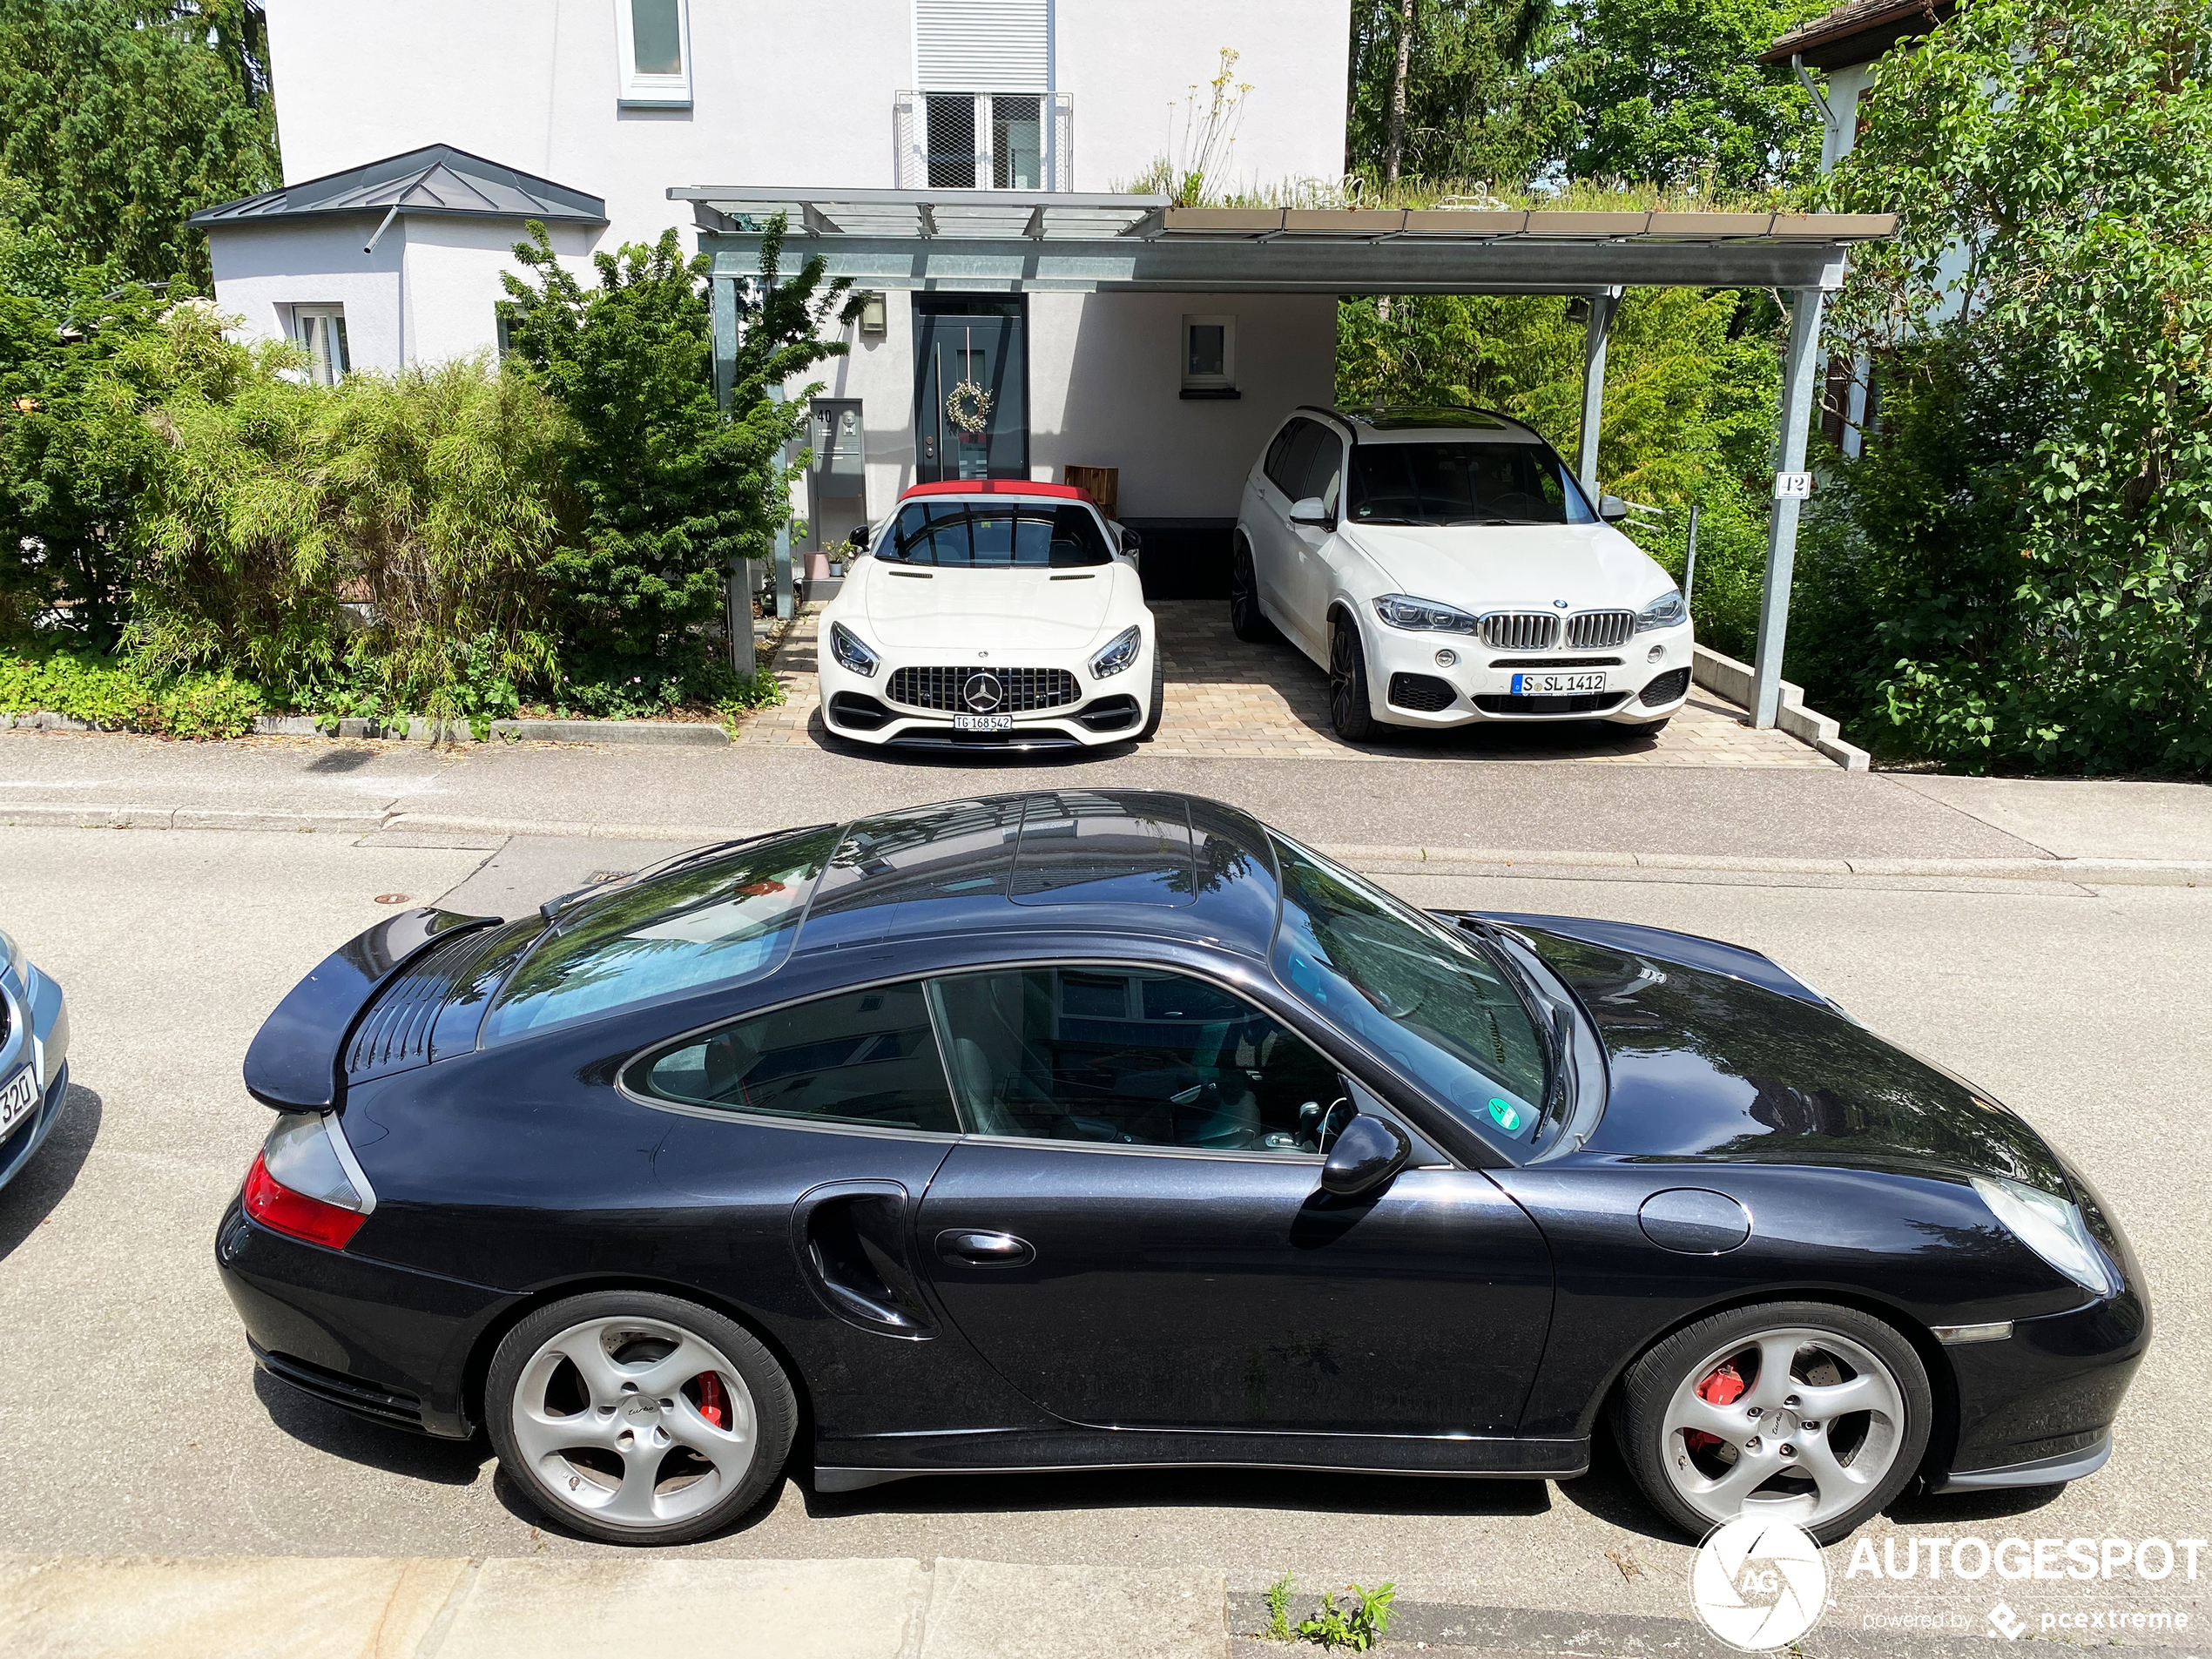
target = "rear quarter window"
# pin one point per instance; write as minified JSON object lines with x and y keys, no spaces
{"x":718,"y":922}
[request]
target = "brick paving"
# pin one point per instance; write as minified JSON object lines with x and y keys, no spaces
{"x":1227,"y":697}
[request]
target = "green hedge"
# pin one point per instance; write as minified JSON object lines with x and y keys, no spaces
{"x":120,"y":696}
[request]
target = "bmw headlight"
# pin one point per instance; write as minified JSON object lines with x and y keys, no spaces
{"x":1666,"y":611}
{"x":846,"y":646}
{"x":1424,"y":616}
{"x":1120,"y":653}
{"x":2053,"y":1228}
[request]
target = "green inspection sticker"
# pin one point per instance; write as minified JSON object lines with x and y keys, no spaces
{"x":1504,"y":1114}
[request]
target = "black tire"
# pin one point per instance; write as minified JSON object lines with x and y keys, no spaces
{"x":739,"y":1357}
{"x":1350,"y":713}
{"x":1246,"y":620}
{"x":1159,"y":691}
{"x":1651,"y":1384}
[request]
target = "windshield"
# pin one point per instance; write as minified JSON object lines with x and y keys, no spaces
{"x":713,"y":922}
{"x":1423,"y":998}
{"x":1448,"y":482}
{"x":982,"y":536}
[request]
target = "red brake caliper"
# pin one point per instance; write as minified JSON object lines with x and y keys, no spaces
{"x":713,"y":1405}
{"x":1724,"y":1386}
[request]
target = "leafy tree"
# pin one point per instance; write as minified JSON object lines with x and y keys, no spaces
{"x":1453,"y":89}
{"x":672,"y":490}
{"x":124,"y":116}
{"x":2019,"y":572}
{"x":1673,"y":94}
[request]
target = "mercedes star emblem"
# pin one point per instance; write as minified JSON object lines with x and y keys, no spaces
{"x":983,"y":692}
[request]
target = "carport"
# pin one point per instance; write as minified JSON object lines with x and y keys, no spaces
{"x":1001,"y":242}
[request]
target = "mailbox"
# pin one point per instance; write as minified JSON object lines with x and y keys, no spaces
{"x":835,"y":435}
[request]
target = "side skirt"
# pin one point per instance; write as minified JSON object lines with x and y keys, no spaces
{"x":849,"y":1465}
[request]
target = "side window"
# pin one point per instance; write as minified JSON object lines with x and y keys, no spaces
{"x":1130,"y":1057}
{"x":1297,"y":457}
{"x":1324,"y":473}
{"x":860,"y":1057}
{"x":1272,"y":467}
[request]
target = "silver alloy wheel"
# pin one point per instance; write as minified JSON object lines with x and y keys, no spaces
{"x":615,"y":1417}
{"x":1816,"y":1425}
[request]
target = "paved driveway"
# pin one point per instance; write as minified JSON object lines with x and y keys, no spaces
{"x":1227,"y":697}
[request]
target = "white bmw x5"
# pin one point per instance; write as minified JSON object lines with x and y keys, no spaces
{"x":1446,"y":568}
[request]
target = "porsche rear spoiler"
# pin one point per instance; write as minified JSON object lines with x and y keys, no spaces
{"x":291,"y":1064}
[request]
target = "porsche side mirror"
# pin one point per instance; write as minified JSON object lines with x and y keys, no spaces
{"x":1612,"y":509}
{"x":1367,"y":1152}
{"x":1310,"y":511}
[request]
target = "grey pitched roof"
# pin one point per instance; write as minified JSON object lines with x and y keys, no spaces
{"x":437,"y":179}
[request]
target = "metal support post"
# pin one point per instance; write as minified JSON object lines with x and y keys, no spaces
{"x":784,"y":603}
{"x":1689,"y":559}
{"x":1800,"y":371}
{"x":1600,"y":325}
{"x":739,"y":589}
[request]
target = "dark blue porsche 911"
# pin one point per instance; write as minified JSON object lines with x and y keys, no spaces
{"x":1094,"y":1128}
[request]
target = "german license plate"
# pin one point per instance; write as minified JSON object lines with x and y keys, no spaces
{"x":982,"y":723}
{"x":17,"y":1100}
{"x":1553,"y":685}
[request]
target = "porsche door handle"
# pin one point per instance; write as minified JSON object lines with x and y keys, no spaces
{"x":966,"y":1248}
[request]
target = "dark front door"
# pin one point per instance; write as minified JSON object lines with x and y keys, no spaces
{"x":1138,"y":1238}
{"x":971,"y":387}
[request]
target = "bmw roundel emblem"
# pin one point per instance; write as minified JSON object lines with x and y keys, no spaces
{"x":983,"y":692}
{"x":1559,"y":604}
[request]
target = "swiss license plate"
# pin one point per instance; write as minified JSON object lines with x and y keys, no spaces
{"x":982,"y":723}
{"x":1553,"y":685}
{"x":17,"y":1100}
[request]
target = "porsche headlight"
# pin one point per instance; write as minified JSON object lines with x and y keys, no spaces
{"x":1423,"y":616}
{"x":1120,"y":653}
{"x":2050,"y":1226}
{"x":851,"y":654}
{"x":1666,"y":611}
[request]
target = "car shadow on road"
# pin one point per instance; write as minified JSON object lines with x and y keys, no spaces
{"x":1609,"y":1493}
{"x":45,"y":1179}
{"x":325,"y":1427}
{"x":1925,"y":1509}
{"x":1298,"y":1489}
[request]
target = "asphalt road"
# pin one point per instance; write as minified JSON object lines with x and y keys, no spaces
{"x":131,"y":1418}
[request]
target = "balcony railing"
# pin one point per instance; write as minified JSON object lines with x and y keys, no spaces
{"x":984,"y":141}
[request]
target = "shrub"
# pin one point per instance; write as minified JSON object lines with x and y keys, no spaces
{"x":121,"y":696}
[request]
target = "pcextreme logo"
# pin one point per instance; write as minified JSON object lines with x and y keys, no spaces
{"x":1758,"y":1584}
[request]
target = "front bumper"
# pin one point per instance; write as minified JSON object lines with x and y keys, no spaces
{"x":384,"y":1342}
{"x":1646,"y":679}
{"x":37,"y":1035}
{"x":1100,"y":712}
{"x":2038,"y":1407}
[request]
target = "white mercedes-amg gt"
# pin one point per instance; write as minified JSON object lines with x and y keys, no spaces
{"x":992,"y":614}
{"x":1446,"y":568}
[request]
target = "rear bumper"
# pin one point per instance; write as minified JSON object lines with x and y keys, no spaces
{"x":2038,"y":1407}
{"x":384,"y":1342}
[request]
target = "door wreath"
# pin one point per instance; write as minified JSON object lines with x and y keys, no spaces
{"x":968,"y":406}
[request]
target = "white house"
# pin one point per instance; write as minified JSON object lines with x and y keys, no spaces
{"x":419,"y":136}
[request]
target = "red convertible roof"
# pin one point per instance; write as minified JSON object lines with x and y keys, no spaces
{"x":997,"y":487}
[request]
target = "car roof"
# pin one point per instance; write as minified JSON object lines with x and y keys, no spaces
{"x":1015,"y":487}
{"x":1101,"y":861}
{"x":1425,"y":424}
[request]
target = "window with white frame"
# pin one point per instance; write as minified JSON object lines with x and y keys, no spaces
{"x":984,"y":115}
{"x":320,"y":332}
{"x":1210,"y":356}
{"x":653,"y":42}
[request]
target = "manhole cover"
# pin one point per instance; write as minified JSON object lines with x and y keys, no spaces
{"x":393,"y":898}
{"x":599,"y":878}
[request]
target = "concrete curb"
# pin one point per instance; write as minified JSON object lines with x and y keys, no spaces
{"x":1727,"y":677}
{"x":421,"y":728}
{"x":1412,"y":860}
{"x":276,"y":1607}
